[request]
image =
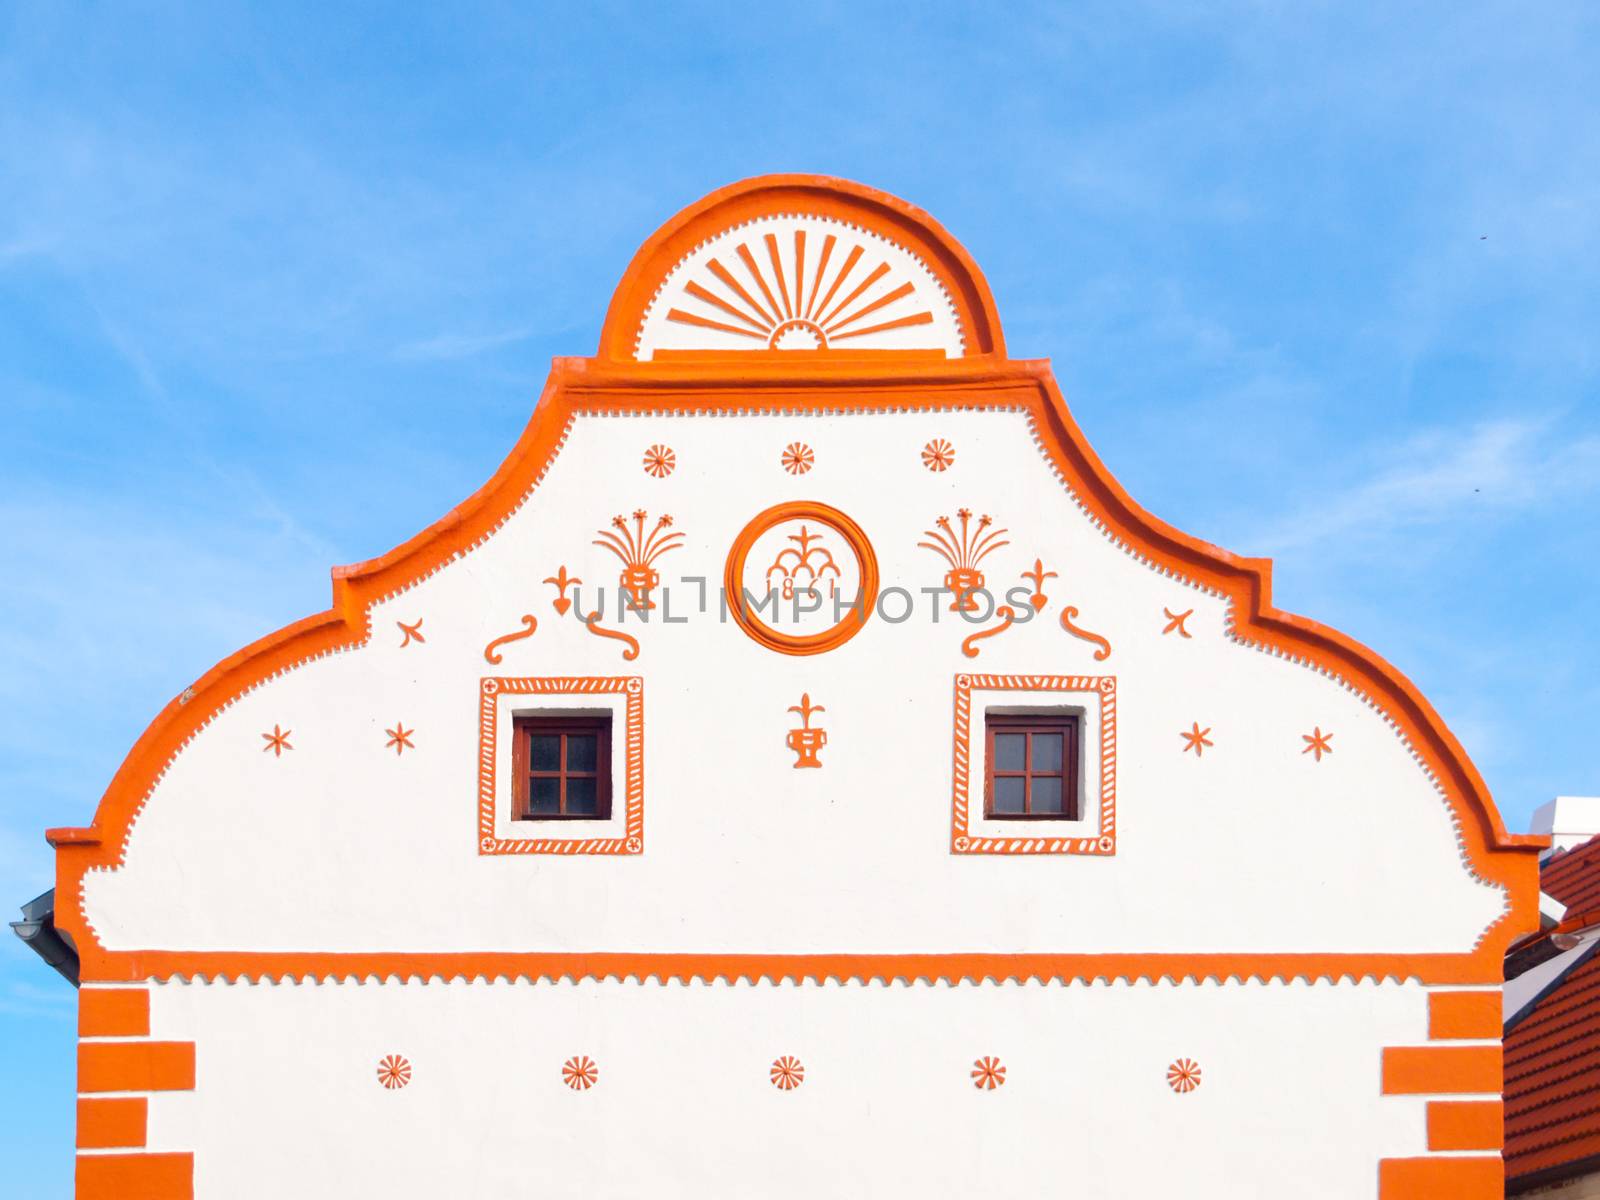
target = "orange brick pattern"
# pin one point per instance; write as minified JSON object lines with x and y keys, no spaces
{"x":1446,"y":1067}
{"x":116,"y":1054}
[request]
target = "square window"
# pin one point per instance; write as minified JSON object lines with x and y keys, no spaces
{"x":562,"y":769}
{"x":1032,"y":768}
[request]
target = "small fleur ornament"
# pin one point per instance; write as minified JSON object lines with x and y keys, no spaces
{"x":394,"y":1072}
{"x":787,"y":1073}
{"x":988,"y":1073}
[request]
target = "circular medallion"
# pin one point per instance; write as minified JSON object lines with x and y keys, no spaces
{"x":801,"y":578}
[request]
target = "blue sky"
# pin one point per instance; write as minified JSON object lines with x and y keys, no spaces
{"x":278,"y":288}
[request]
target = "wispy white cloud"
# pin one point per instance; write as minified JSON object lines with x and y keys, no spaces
{"x":1445,"y":477}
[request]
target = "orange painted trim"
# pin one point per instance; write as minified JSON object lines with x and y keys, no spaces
{"x":1441,"y":1178}
{"x":577,"y":387}
{"x":819,"y":195}
{"x":1433,"y":1070}
{"x":1464,"y":1015}
{"x":135,"y":1177}
{"x":946,"y":968}
{"x":631,"y":688}
{"x":1466,"y":1124}
{"x":115,"y":1123}
{"x":812,"y":643}
{"x":1103,"y":689}
{"x":113,"y":1012}
{"x":135,"y":1066}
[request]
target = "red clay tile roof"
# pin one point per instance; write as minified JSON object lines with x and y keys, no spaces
{"x":1552,"y":1056}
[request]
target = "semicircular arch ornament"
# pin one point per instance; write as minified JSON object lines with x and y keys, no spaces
{"x":801,"y":578}
{"x":800,"y":282}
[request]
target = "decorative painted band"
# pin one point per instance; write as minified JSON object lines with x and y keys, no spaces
{"x":113,"y":1012}
{"x":1466,"y":1124}
{"x":1440,"y":1070}
{"x":1464,"y":1015}
{"x":1475,"y":968}
{"x":1472,"y":1178}
{"x":135,"y":1067}
{"x":112,"y":1122}
{"x":135,"y":1177}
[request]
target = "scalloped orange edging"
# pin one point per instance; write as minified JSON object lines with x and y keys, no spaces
{"x":824,"y":383}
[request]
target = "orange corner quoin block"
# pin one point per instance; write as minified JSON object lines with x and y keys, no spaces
{"x":113,"y":1012}
{"x":108,"y":1123}
{"x":1474,"y":1178}
{"x":1466,"y":1125}
{"x":1437,"y":1070}
{"x":1464,"y":1015}
{"x":135,"y":1177}
{"x":135,"y":1066}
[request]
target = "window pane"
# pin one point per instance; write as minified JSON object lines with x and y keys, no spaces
{"x":581,"y":797}
{"x":544,"y":796}
{"x":1008,"y":794}
{"x":1009,"y":749}
{"x":1046,"y":794}
{"x":1046,"y":752}
{"x":545,"y":752}
{"x":581,"y":751}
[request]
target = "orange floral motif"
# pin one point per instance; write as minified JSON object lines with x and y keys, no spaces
{"x":988,"y":1073}
{"x":798,"y":458}
{"x":1196,"y":739}
{"x":1317,"y":742}
{"x":806,"y":741}
{"x":413,"y":632}
{"x":787,"y":1073}
{"x":394,"y":1072}
{"x":638,"y":551}
{"x":580,"y":1073}
{"x":964,"y":551}
{"x":1176,"y":620}
{"x":400,"y":738}
{"x":938,"y":454}
{"x":659,"y":461}
{"x":277,"y":741}
{"x":1183,"y":1076}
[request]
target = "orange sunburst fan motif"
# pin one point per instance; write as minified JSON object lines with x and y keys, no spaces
{"x":580,"y":1073}
{"x":988,"y":1073}
{"x":829,"y":291}
{"x":1183,"y":1076}
{"x":394,"y":1072}
{"x":787,"y":1073}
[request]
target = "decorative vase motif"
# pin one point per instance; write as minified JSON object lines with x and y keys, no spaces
{"x":962,"y":582}
{"x":637,"y":582}
{"x":638,"y":548}
{"x":806,"y":741}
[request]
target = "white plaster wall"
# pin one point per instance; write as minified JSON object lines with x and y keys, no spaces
{"x":342,"y":845}
{"x":287,"y":1103}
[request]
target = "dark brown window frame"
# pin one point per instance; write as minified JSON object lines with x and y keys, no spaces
{"x":524,"y":728}
{"x":1070,"y":727}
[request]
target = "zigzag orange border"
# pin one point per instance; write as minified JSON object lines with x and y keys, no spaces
{"x":961,"y":839}
{"x":808,"y":385}
{"x":630,"y":686}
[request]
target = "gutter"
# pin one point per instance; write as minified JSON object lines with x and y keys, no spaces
{"x":38,"y":931}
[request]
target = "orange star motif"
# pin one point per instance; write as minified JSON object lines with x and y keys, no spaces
{"x":1317,"y":742}
{"x":413,"y":632}
{"x":400,"y":738}
{"x":1197,"y":739}
{"x":277,"y":741}
{"x":1176,"y":621}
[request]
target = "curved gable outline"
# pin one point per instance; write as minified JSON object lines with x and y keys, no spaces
{"x":780,"y":383}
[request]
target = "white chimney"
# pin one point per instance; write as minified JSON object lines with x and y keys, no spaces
{"x":1569,"y":820}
